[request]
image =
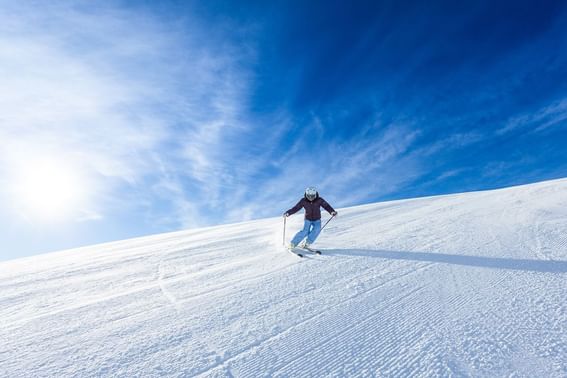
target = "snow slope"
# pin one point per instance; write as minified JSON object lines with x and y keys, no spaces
{"x":471,"y":284}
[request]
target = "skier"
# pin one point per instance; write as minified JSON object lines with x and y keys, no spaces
{"x":312,"y":204}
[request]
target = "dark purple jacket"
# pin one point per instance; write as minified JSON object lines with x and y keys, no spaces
{"x":312,"y":208}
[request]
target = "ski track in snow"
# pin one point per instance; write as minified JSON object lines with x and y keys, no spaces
{"x":462,"y":285}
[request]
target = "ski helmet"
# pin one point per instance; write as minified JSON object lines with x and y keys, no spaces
{"x":311,"y":193}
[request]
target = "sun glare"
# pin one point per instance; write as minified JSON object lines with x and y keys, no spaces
{"x":48,"y":190}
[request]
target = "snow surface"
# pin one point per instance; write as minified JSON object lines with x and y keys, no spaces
{"x":471,"y":284}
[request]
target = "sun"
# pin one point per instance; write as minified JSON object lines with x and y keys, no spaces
{"x":48,"y":189}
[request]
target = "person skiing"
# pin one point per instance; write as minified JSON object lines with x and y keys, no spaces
{"x":312,"y":204}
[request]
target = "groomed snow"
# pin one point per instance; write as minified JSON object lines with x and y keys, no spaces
{"x":472,"y":284}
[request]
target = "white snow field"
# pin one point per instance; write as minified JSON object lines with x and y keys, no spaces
{"x":471,"y":284}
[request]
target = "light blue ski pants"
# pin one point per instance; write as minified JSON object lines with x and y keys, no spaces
{"x":311,"y":230}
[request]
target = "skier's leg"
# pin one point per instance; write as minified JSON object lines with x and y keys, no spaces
{"x":314,"y":232}
{"x":301,"y":234}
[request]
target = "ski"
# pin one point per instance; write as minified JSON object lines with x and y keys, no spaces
{"x":312,"y":250}
{"x":290,"y":250}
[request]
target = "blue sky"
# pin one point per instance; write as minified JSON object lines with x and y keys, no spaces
{"x":128,"y":118}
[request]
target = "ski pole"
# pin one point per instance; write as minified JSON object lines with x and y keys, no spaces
{"x":327,"y":222}
{"x":284,"y":219}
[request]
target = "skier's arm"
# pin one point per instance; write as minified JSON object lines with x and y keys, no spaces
{"x":328,"y":207}
{"x":296,"y":208}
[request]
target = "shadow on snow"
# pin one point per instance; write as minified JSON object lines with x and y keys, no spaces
{"x":547,"y":266}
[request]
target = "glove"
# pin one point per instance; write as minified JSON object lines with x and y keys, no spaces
{"x":334,"y":213}
{"x":286,"y":215}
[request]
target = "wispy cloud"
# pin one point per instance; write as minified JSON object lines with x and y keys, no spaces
{"x":58,"y":100}
{"x":346,"y":172}
{"x":119,"y":99}
{"x":551,"y":115}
